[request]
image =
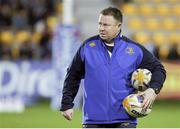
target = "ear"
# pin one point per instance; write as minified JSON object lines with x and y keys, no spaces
{"x":119,"y":25}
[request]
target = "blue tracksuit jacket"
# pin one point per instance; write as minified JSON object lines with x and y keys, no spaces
{"x":107,"y":79}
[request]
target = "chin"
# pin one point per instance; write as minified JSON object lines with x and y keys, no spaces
{"x":103,"y":38}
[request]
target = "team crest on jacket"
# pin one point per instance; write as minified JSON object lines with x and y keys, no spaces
{"x":130,"y":50}
{"x":92,"y":44}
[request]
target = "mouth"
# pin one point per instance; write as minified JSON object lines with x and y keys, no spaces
{"x":102,"y":34}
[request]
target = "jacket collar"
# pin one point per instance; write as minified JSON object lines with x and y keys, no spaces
{"x":116,"y":39}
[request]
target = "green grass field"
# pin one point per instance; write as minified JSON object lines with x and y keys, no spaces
{"x":165,"y":114}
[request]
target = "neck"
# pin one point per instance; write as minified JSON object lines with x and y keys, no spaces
{"x":109,"y":42}
{"x":112,"y":44}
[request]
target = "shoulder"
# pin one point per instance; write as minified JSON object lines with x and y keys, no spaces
{"x":89,"y":43}
{"x":139,"y":47}
{"x":135,"y":44}
{"x":131,"y":42}
{"x":90,"y":40}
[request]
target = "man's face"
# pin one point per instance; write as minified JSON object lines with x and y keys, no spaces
{"x":108,"y":27}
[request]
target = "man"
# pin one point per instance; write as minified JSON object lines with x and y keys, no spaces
{"x":106,"y":62}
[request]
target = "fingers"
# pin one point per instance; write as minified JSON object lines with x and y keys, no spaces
{"x":147,"y":104}
{"x":68,"y":117}
{"x":140,"y":92}
{"x":149,"y":97}
{"x":148,"y":101}
{"x":68,"y":114}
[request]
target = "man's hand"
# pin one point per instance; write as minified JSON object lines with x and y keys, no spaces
{"x":68,"y":114}
{"x":149,"y":97}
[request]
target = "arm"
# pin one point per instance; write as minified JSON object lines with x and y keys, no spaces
{"x":75,"y":73}
{"x":158,"y":72}
{"x":158,"y":77}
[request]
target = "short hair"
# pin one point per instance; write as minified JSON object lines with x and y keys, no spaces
{"x":116,"y":13}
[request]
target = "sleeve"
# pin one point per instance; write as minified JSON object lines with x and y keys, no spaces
{"x":75,"y":73}
{"x":151,"y":63}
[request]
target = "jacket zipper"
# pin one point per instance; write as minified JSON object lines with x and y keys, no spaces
{"x":109,"y":84}
{"x":109,"y":87}
{"x":109,"y":59}
{"x":109,"y":92}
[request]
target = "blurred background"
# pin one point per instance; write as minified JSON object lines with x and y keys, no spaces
{"x":38,"y":39}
